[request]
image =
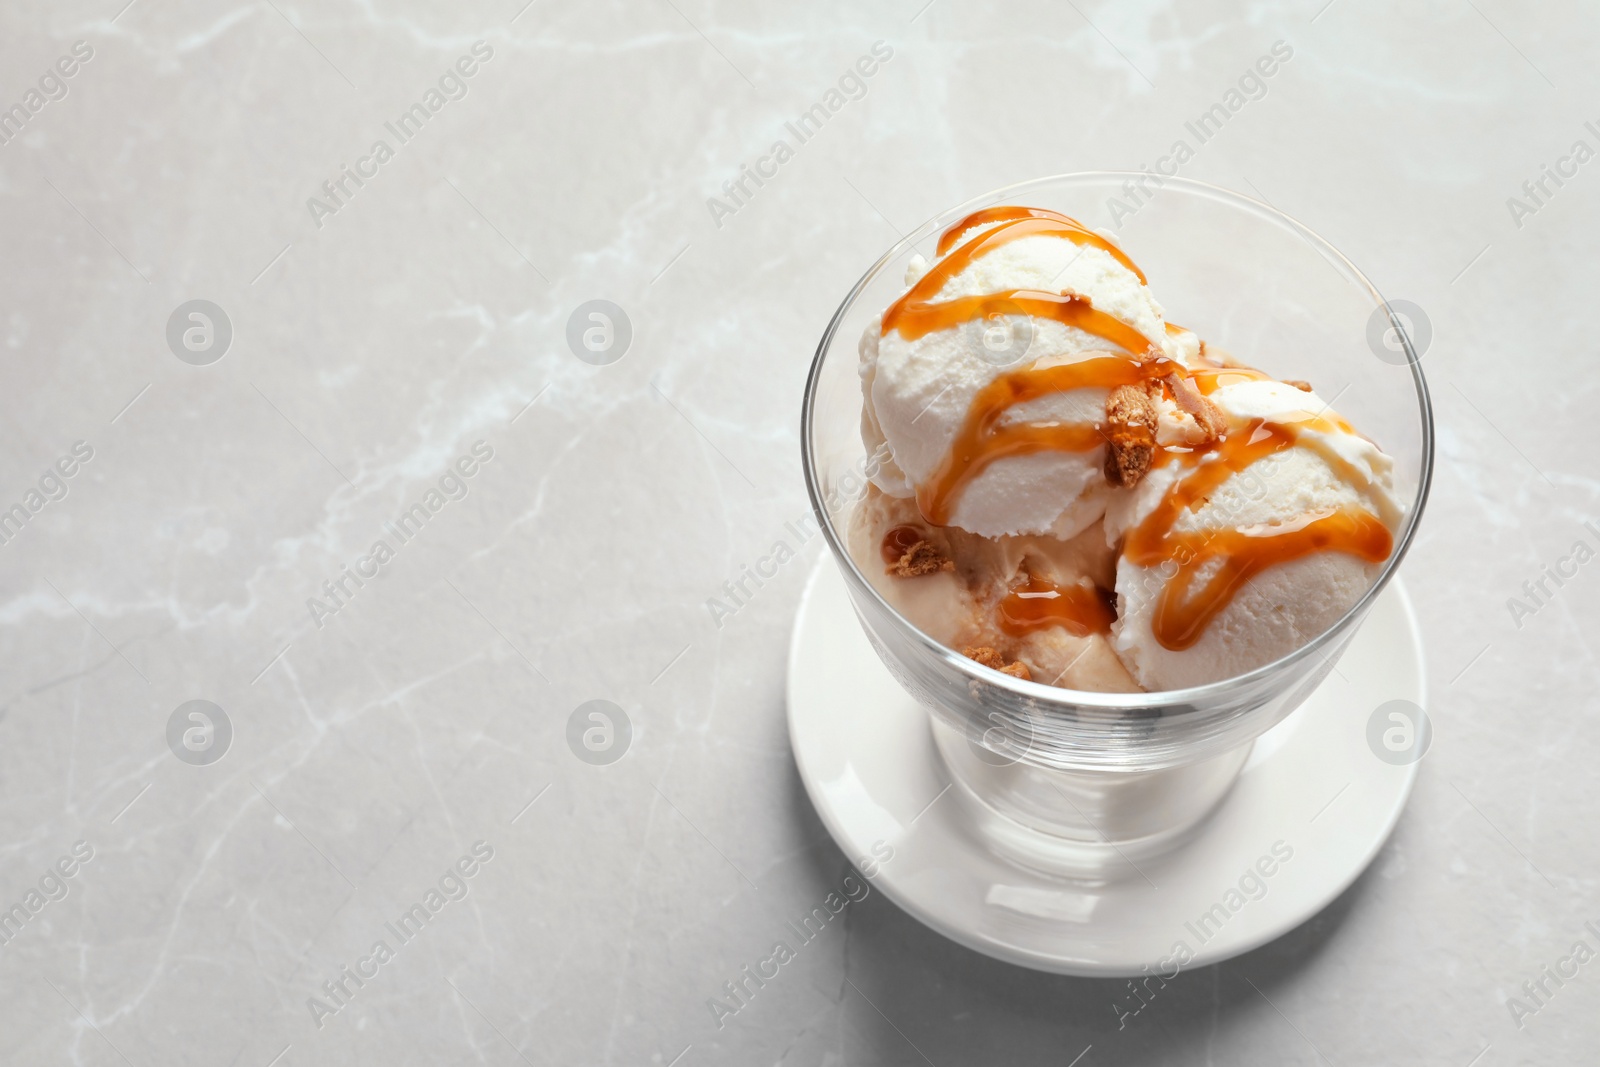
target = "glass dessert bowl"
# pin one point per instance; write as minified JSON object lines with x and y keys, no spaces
{"x":1102,"y":550}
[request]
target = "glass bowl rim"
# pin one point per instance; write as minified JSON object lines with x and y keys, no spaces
{"x":1196,"y":696}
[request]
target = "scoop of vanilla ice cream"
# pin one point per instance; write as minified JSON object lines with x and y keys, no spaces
{"x":1285,"y":605}
{"x":918,"y":392}
{"x":957,"y":608}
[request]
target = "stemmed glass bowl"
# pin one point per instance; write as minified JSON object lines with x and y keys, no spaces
{"x":1083,"y":783}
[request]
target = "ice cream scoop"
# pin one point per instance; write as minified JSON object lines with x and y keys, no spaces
{"x":1234,"y":556}
{"x":1012,"y":287}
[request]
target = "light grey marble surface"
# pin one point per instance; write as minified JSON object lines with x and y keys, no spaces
{"x":374,"y":345}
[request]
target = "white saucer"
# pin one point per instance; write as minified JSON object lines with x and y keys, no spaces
{"x":1312,"y":786}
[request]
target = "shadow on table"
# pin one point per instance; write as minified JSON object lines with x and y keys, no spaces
{"x":940,"y":1003}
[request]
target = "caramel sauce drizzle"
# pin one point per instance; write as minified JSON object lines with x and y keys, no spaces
{"x":916,"y":314}
{"x":1006,"y":213}
{"x":1186,"y":606}
{"x":1038,"y":604}
{"x":1208,"y":377}
{"x":982,"y":439}
{"x":1182,"y":612}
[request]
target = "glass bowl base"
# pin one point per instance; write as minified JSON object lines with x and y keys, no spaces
{"x":1095,"y":827}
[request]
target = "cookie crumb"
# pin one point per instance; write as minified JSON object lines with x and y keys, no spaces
{"x":1299,"y":383}
{"x":988,"y":657}
{"x":921,"y":558}
{"x":1130,"y":434}
{"x":1212,"y":422}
